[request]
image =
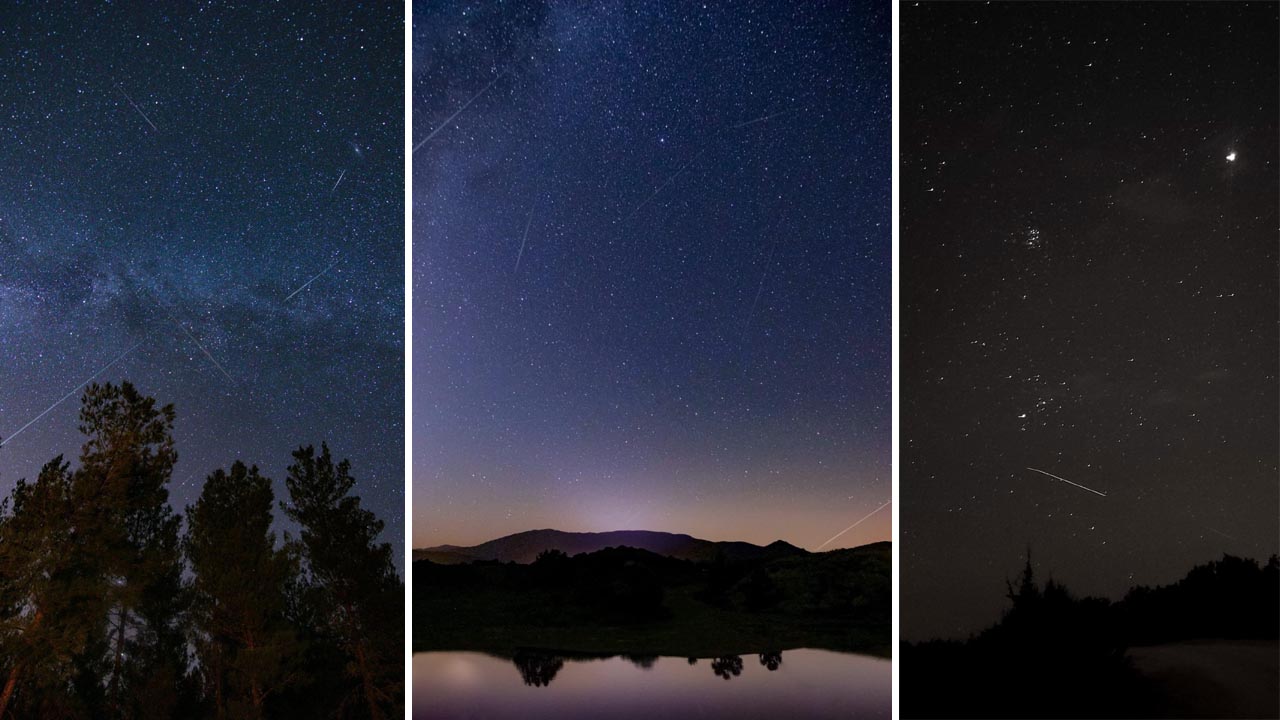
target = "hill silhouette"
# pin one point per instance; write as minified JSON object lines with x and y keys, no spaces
{"x":525,"y":547}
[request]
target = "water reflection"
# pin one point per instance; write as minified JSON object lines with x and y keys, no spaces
{"x":539,"y":667}
{"x":771,"y":660}
{"x":644,"y":662}
{"x":727,"y":666}
{"x":811,"y":683}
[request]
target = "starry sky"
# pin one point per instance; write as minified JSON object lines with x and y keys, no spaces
{"x":651,"y":269}
{"x":1089,"y":288}
{"x":171,"y":180}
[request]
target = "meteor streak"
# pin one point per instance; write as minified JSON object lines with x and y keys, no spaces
{"x":202,"y":348}
{"x":761,"y":119}
{"x":660,"y":188}
{"x":864,"y":517}
{"x":524,"y":239}
{"x":74,"y":390}
{"x":1219,"y":532}
{"x":768,"y":265}
{"x":135,"y":107}
{"x":339,"y":182}
{"x":458,"y":112}
{"x":1055,"y":477}
{"x":313,"y":279}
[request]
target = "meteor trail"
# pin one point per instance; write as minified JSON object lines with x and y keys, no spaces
{"x":762,"y":119}
{"x":135,"y":107}
{"x":524,"y":239}
{"x":458,"y":112}
{"x":313,"y":279}
{"x":1219,"y":532}
{"x":760,"y":289}
{"x":1055,"y":477}
{"x":74,"y":390}
{"x":202,"y":348}
{"x":660,"y":187}
{"x":864,"y":517}
{"x":339,"y":182}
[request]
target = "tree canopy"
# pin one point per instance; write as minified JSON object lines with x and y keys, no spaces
{"x":111,"y":608}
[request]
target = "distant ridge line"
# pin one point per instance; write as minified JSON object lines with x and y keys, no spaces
{"x":524,"y":547}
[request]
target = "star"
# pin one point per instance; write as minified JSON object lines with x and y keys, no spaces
{"x":205,"y":318}
{"x":615,"y":190}
{"x":1080,"y":312}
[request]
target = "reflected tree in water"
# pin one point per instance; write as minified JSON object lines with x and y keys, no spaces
{"x":693,"y":661}
{"x":537,"y":669}
{"x":644,"y":662}
{"x":727,"y":666}
{"x":771,"y":659}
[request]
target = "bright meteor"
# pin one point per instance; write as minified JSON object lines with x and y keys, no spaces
{"x":1055,"y":477}
{"x":313,"y":279}
{"x":457,"y":112}
{"x":864,"y":517}
{"x":74,"y":390}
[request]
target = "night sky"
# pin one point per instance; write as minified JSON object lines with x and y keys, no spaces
{"x":1089,"y":288}
{"x":652,"y":269}
{"x":170,"y":177}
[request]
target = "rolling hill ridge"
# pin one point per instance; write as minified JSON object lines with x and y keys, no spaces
{"x":525,"y":547}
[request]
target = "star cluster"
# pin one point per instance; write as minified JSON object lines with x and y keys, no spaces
{"x":1088,"y":238}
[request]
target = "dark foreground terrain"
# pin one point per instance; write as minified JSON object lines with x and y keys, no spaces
{"x":1202,"y":647}
{"x":1211,"y":679}
{"x":631,"y":601}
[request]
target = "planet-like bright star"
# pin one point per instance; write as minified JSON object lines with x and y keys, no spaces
{"x":1231,"y":156}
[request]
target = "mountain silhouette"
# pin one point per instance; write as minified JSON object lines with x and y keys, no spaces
{"x":525,"y":547}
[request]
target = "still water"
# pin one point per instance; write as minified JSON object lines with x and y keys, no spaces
{"x":535,"y":685}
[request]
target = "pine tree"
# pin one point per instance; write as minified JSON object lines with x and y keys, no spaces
{"x":92,"y":571}
{"x":37,"y":620}
{"x":358,"y":597}
{"x":248,"y":649}
{"x":127,"y":544}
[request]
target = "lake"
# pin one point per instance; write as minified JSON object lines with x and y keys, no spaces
{"x":793,"y":683}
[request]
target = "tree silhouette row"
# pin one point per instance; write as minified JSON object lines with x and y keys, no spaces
{"x":112,"y":607}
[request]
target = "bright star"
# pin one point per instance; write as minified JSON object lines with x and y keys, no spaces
{"x":1231,"y":156}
